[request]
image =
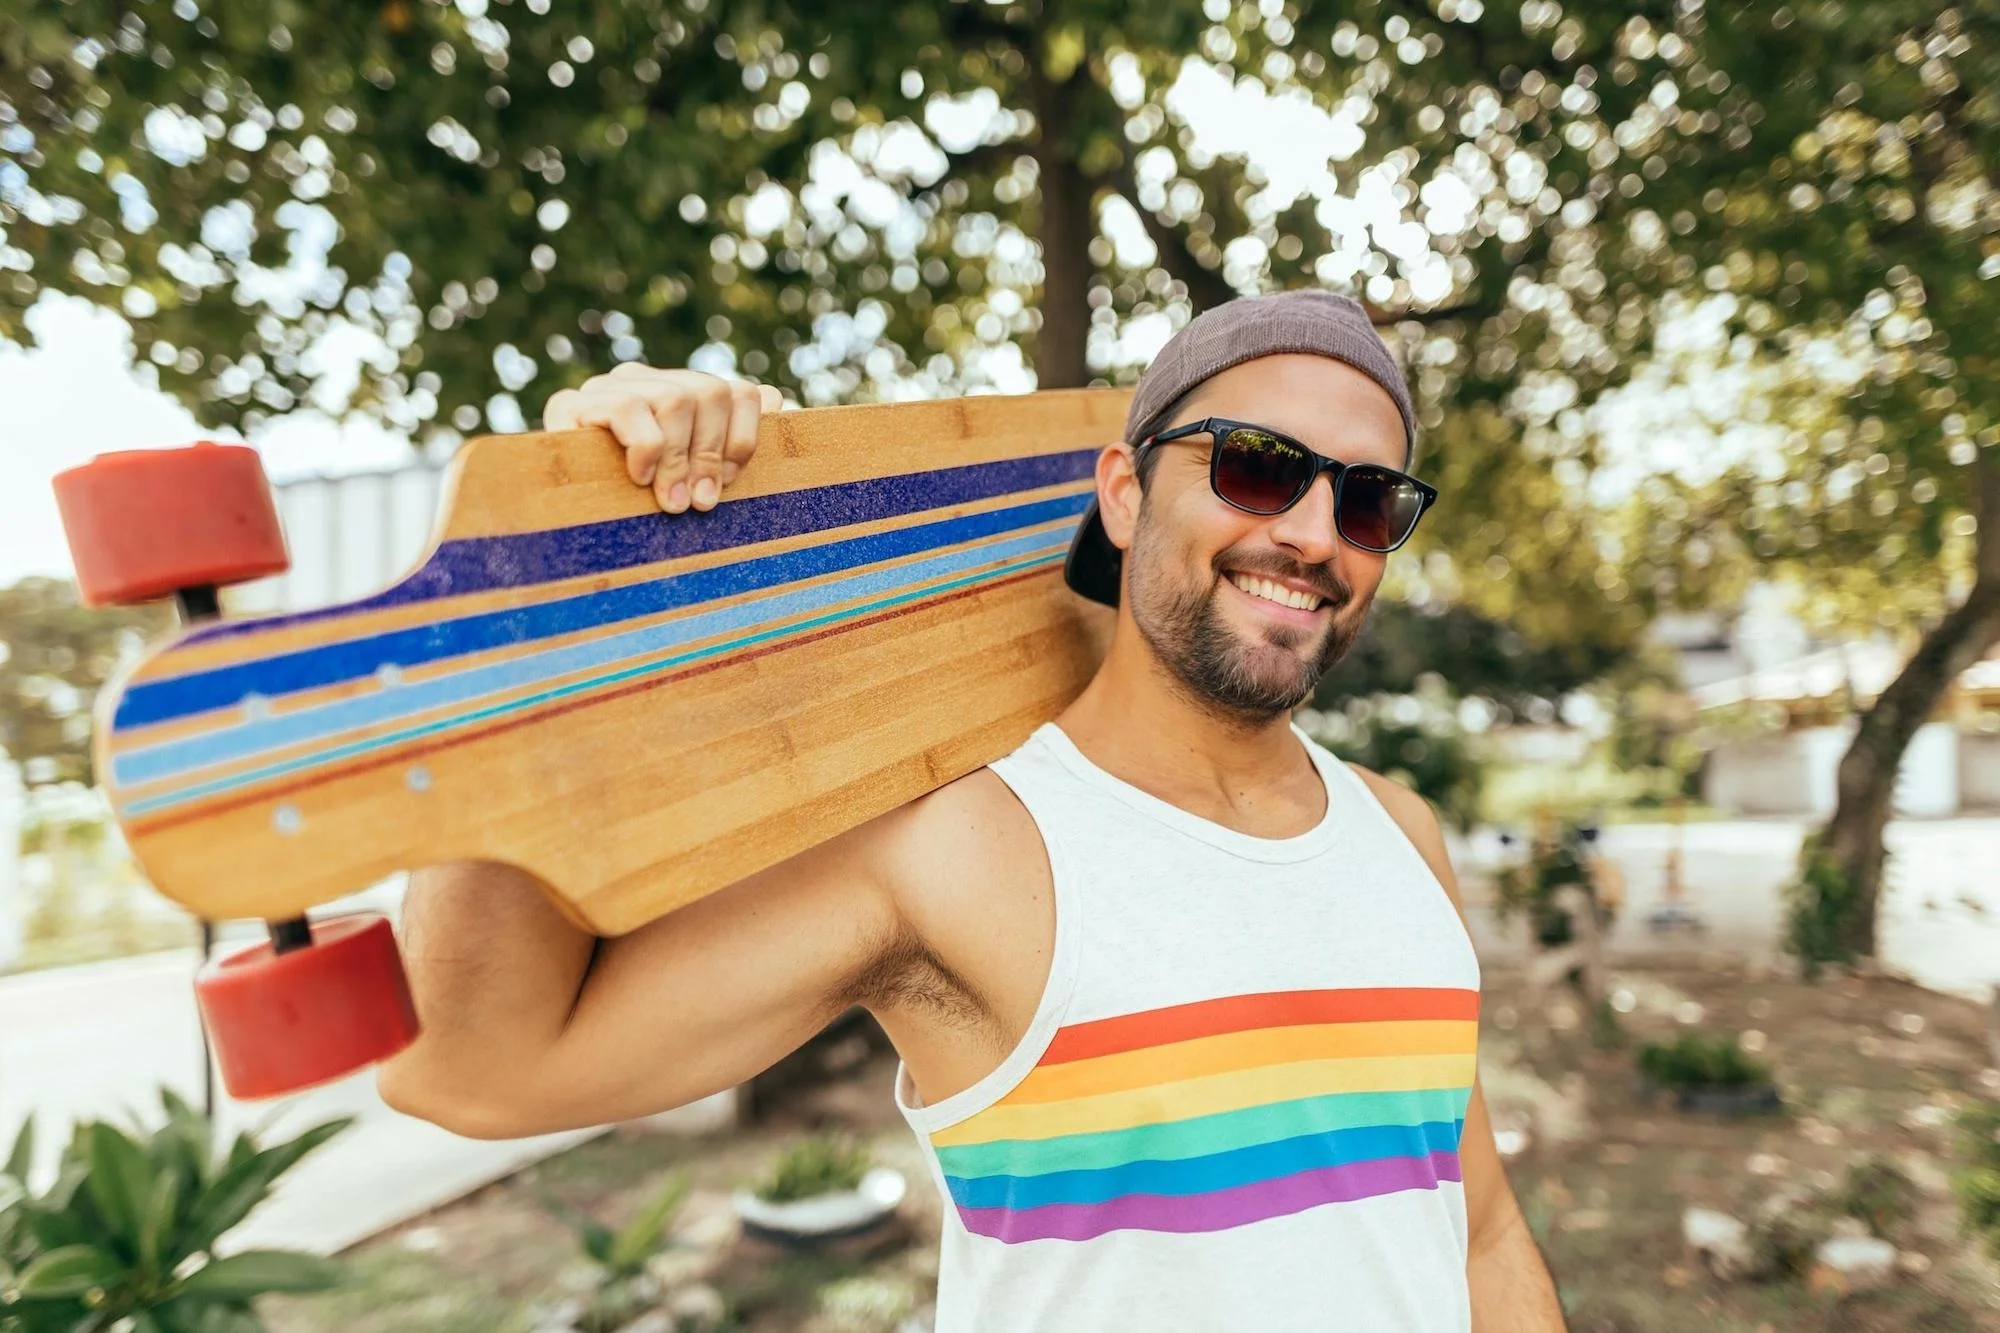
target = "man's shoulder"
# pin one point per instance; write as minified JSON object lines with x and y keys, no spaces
{"x":967,"y":833}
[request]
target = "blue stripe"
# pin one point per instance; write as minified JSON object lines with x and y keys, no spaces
{"x":182,"y":796}
{"x":478,"y":564}
{"x":241,"y":740}
{"x":357,"y":659}
{"x":1217,"y":1171}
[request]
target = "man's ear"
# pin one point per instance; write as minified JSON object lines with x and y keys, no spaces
{"x":1118,"y":494}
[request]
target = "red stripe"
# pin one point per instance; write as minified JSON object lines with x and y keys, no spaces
{"x":450,"y":739}
{"x":1274,"y":1009}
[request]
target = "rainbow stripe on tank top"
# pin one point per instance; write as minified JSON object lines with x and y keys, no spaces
{"x":1212,"y":1115}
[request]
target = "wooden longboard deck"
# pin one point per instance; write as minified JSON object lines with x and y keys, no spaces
{"x":639,"y":708}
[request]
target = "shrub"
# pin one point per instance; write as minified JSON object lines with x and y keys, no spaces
{"x":125,"y":1237}
{"x":1822,"y":903}
{"x":1699,"y":1061}
{"x":1877,"y":1193}
{"x":1978,"y":1185}
{"x":818,"y":1165}
{"x":623,"y":1290}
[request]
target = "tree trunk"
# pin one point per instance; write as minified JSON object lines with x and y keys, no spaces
{"x":1853,"y":835}
{"x":1068,"y":224}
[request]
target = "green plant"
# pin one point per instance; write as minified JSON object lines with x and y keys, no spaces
{"x":1978,"y":1184}
{"x":623,"y":1289}
{"x":1696,"y":1060}
{"x":125,"y":1237}
{"x":1822,"y":902}
{"x":1413,"y":738}
{"x":1554,"y":861}
{"x":817,"y":1165}
{"x":1877,"y":1193}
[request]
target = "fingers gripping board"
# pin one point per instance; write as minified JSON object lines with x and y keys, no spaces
{"x":639,"y":708}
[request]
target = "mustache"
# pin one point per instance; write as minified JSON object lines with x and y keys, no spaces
{"x":1319,"y":578}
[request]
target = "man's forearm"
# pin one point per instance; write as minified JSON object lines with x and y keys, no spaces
{"x":1512,"y":1291}
{"x":495,"y":970}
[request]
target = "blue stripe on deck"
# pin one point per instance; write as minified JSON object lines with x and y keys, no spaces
{"x":332,"y":664}
{"x":242,"y":740}
{"x":181,"y":796}
{"x":479,"y":564}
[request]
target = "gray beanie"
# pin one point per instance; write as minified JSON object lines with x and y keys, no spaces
{"x":1305,"y":320}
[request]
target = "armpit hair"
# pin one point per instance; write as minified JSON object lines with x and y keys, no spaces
{"x":906,"y":974}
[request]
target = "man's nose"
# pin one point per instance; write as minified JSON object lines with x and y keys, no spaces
{"x":1307,"y":527}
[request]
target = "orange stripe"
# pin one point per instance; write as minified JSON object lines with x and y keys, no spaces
{"x":1235,"y":1013}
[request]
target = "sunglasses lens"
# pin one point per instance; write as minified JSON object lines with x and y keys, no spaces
{"x":1258,"y":471}
{"x":1377,"y":508}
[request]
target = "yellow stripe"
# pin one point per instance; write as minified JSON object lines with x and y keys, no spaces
{"x":1226,"y":1052}
{"x":1208,"y":1095}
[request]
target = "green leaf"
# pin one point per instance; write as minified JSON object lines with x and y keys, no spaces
{"x":187,"y":1135}
{"x":254,"y":1272}
{"x":158,"y":1226}
{"x":597,"y":1240}
{"x":245,"y":1182}
{"x":119,"y":1182}
{"x":70,"y":1271}
{"x":641,"y":1236}
{"x":23,"y":1154}
{"x":11,"y":1193}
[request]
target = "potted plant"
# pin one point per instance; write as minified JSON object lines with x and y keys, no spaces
{"x":125,"y":1237}
{"x":821,"y":1189}
{"x":1709,"y":1073}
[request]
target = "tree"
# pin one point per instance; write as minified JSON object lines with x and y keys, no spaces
{"x":502,"y":198}
{"x":1846,"y":227}
{"x":54,"y":656}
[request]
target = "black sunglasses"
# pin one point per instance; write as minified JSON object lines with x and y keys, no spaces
{"x":1260,"y":471}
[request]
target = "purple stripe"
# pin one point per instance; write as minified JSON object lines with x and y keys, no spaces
{"x":1219,"y":1211}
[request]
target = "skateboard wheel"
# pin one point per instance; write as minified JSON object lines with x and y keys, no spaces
{"x":144,"y":523}
{"x":281,"y":1022}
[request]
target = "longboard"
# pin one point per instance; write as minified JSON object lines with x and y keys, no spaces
{"x":638,"y":708}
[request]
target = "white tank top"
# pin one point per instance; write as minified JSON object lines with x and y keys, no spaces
{"x":1239,"y":1102}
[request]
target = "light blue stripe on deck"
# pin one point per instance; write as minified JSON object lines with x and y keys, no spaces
{"x":665,"y":637}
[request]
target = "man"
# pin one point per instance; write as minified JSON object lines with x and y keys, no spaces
{"x":1186,"y":1006}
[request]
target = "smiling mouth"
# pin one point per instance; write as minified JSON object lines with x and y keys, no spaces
{"x":1277,"y":592}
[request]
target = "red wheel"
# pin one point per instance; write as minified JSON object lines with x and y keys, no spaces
{"x":281,"y":1022}
{"x":145,"y":523}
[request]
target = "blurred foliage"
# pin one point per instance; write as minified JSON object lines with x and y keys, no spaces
{"x":1877,"y":1192}
{"x":54,"y":656}
{"x":1557,"y":857}
{"x":125,"y":1237}
{"x":1821,"y":904}
{"x":1489,"y":660}
{"x":1978,"y":1183}
{"x":1415,"y":739}
{"x":497,"y":199}
{"x":1697,"y":1060}
{"x":820,"y":1164}
{"x":623,"y":1290}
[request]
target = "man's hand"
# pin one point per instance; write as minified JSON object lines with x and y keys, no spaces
{"x":686,"y":434}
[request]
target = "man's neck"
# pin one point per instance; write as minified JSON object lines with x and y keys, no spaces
{"x":1139,"y":723}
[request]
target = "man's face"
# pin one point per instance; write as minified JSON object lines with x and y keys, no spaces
{"x":1196,"y":568}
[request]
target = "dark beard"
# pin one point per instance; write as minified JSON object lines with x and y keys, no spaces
{"x":1185,"y":630}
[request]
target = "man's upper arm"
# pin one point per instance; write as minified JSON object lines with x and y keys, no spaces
{"x":1489,"y":1201}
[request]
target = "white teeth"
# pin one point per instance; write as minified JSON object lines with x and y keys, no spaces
{"x":1276,"y":592}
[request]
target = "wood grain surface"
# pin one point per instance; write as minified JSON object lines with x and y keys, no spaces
{"x":639,"y":708}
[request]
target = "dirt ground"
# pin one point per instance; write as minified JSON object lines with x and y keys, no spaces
{"x":1868,"y":1068}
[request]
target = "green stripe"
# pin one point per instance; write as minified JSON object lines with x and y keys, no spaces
{"x":1202,"y":1135}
